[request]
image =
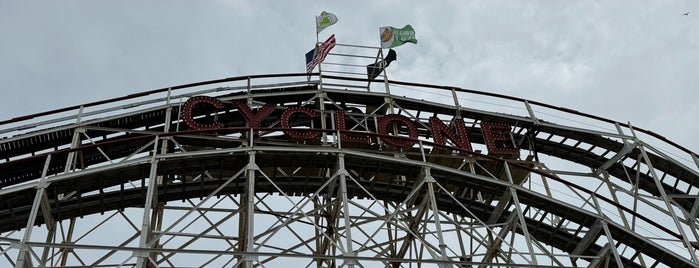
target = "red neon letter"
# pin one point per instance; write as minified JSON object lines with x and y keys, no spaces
{"x":192,"y":102}
{"x":286,"y":118}
{"x":385,"y":121}
{"x":254,"y":118}
{"x":460,"y":138}
{"x":340,"y":124}
{"x":497,"y":139}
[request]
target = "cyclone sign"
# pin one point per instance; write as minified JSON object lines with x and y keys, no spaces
{"x":496,"y":135}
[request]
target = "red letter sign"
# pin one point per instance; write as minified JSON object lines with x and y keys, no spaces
{"x":497,"y":139}
{"x":254,"y":118}
{"x":340,"y":124}
{"x":460,"y":138}
{"x":192,"y":102}
{"x":386,"y":120}
{"x":286,"y":118}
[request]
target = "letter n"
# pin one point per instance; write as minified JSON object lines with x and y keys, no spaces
{"x":460,"y":138}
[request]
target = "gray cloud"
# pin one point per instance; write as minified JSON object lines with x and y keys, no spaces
{"x":627,"y":61}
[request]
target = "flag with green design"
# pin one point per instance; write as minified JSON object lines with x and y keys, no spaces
{"x":325,"y":20}
{"x":393,"y":37}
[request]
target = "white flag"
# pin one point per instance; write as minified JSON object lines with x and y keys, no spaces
{"x":324,"y":21}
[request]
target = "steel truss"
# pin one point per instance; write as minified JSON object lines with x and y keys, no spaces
{"x":139,"y":189}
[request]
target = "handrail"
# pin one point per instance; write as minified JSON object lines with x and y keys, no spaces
{"x":559,"y":108}
{"x":239,"y":78}
{"x":149,"y":92}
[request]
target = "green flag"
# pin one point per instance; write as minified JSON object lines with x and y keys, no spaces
{"x":324,"y":20}
{"x":393,"y":37}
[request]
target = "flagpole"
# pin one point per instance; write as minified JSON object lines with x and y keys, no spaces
{"x":316,"y":24}
{"x":320,"y":75}
{"x":388,"y":91}
{"x":385,"y":80}
{"x":318,"y":41}
{"x":378,"y":56}
{"x":385,"y":74}
{"x":320,"y":95}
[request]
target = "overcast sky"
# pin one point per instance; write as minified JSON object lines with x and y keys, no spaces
{"x":630,"y":61}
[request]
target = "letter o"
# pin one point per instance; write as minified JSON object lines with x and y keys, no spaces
{"x":385,"y":122}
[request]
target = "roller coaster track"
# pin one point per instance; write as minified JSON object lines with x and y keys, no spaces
{"x":599,"y":193}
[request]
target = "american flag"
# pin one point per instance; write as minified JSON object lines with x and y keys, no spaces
{"x":317,"y":55}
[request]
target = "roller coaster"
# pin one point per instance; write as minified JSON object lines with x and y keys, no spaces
{"x":316,"y":170}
